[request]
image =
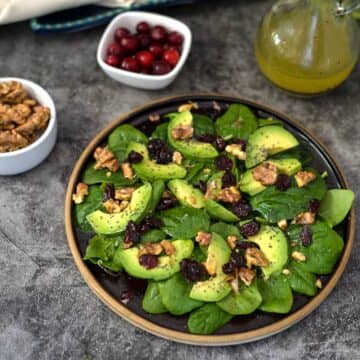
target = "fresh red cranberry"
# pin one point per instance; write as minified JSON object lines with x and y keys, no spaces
{"x":168,"y":46}
{"x":161,"y":67}
{"x":171,"y":56}
{"x":112,"y":60}
{"x":143,"y":27}
{"x":156,"y":49}
{"x":145,"y":58}
{"x":130,"y":64}
{"x":175,"y":38}
{"x":158,"y":33}
{"x":115,"y":49}
{"x":130,"y":43}
{"x":120,"y":33}
{"x":144,"y":41}
{"x":146,"y":71}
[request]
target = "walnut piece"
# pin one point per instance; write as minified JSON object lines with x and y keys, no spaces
{"x":230,"y":194}
{"x":266,"y":173}
{"x":182,"y":132}
{"x":304,"y":218}
{"x":216,"y":106}
{"x":282,"y":224}
{"x":151,"y":249}
{"x":189,"y":106}
{"x":318,"y":284}
{"x":35,"y":122}
{"x":303,"y":178}
{"x":234,"y":282}
{"x":286,"y":272}
{"x":256,"y":257}
{"x":236,"y":150}
{"x":124,"y":193}
{"x":105,"y":159}
{"x":210,"y":265}
{"x":115,"y":206}
{"x":177,"y":157}
{"x":82,"y":190}
{"x":10,"y":140}
{"x":154,"y":117}
{"x":297,"y":255}
{"x":231,"y":240}
{"x":127,"y":171}
{"x":246,"y":275}
{"x":203,"y":238}
{"x":12,"y":93}
{"x":168,"y":247}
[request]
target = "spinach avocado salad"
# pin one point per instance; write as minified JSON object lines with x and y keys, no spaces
{"x":222,"y":216}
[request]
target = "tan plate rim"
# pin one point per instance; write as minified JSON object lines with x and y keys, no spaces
{"x":204,"y":340}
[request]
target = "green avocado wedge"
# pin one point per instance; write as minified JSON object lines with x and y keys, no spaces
{"x":189,"y":148}
{"x":168,"y":264}
{"x":150,"y":170}
{"x":104,"y":223}
{"x":186,"y":194}
{"x":217,"y":211}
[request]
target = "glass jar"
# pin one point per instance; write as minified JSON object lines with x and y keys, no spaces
{"x":308,"y":47}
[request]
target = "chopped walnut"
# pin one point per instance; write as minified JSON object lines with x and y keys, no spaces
{"x":246,"y":275}
{"x":127,"y":171}
{"x":304,"y":218}
{"x":206,"y":171}
{"x":236,"y":150}
{"x":150,"y":248}
{"x":128,"y":245}
{"x":168,"y":247}
{"x":166,"y":194}
{"x":303,"y":178}
{"x":12,"y":92}
{"x":177,"y":157}
{"x":234,"y":282}
{"x":297,"y":255}
{"x":203,"y":238}
{"x":210,"y":190}
{"x":182,"y":132}
{"x":216,"y":106}
{"x":154,"y":117}
{"x":82,"y":190}
{"x":266,"y":173}
{"x":189,"y":106}
{"x":255,"y":256}
{"x":282,"y":224}
{"x":210,"y":265}
{"x":286,"y":272}
{"x":115,"y":206}
{"x":124,"y":193}
{"x":230,"y":194}
{"x":10,"y":140}
{"x":318,"y":284}
{"x":36,"y":121}
{"x":105,"y":159}
{"x":231,"y":240}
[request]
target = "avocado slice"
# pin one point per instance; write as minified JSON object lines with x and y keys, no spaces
{"x":272,"y":242}
{"x":267,"y":141}
{"x":168,"y":264}
{"x":187,"y":194}
{"x":104,"y":223}
{"x":189,"y":148}
{"x":150,"y":170}
{"x":285,"y":166}
{"x":219,"y":212}
{"x":215,"y":288}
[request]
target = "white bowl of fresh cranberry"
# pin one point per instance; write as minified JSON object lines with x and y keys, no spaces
{"x":144,"y":50}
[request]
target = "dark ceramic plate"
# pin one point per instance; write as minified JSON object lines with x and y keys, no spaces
{"x":242,"y":328}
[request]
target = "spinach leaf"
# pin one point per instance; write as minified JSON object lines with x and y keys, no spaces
{"x":153,"y":235}
{"x":193,"y":169}
{"x":301,"y":280}
{"x":184,"y":222}
{"x":160,"y":132}
{"x":151,"y":302}
{"x":200,"y":253}
{"x":275,"y":205}
{"x":91,"y":176}
{"x":225,"y":229}
{"x":269,"y":121}
{"x":203,"y":125}
{"x":102,"y":250}
{"x":175,"y":295}
{"x":120,"y":138}
{"x":324,"y":251}
{"x":158,"y":187}
{"x":276,"y":294}
{"x":245,"y":302}
{"x":299,"y":152}
{"x":238,"y":122}
{"x":335,"y":205}
{"x":93,"y":201}
{"x":207,"y":319}
{"x":201,"y":174}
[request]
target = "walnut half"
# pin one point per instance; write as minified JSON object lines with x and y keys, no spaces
{"x":266,"y":174}
{"x":82,"y":190}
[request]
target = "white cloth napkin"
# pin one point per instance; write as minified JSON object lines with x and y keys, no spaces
{"x":18,"y":10}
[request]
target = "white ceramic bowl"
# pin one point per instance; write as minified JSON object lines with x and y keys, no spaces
{"x":130,"y":20}
{"x":16,"y":162}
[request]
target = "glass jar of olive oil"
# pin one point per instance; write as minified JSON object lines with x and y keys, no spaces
{"x":308,"y":47}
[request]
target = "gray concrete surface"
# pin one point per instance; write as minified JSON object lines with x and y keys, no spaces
{"x":46,"y":310}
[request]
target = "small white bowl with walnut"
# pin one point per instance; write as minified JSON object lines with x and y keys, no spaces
{"x":28,"y":126}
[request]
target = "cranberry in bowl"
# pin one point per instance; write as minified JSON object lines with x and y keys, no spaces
{"x":144,"y":50}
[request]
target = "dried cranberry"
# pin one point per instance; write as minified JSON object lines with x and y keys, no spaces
{"x":239,"y":142}
{"x":283,"y":182}
{"x":236,"y":261}
{"x":314,"y":206}
{"x":166,"y":203}
{"x":147,"y":127}
{"x":150,"y":223}
{"x":109,"y":192}
{"x":159,"y":151}
{"x":202,"y":186}
{"x":126,"y":296}
{"x":191,"y":270}
{"x":222,"y":162}
{"x":132,"y":233}
{"x":228,"y":268}
{"x":250,"y":229}
{"x":241,"y":209}
{"x":246,"y":245}
{"x":228,"y":179}
{"x":208,"y":138}
{"x":220,"y":143}
{"x":306,"y":236}
{"x":148,"y":261}
{"x":135,"y":157}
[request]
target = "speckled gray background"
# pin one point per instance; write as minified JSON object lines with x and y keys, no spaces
{"x":46,"y":310}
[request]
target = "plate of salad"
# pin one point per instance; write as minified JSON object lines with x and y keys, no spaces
{"x":209,"y":219}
